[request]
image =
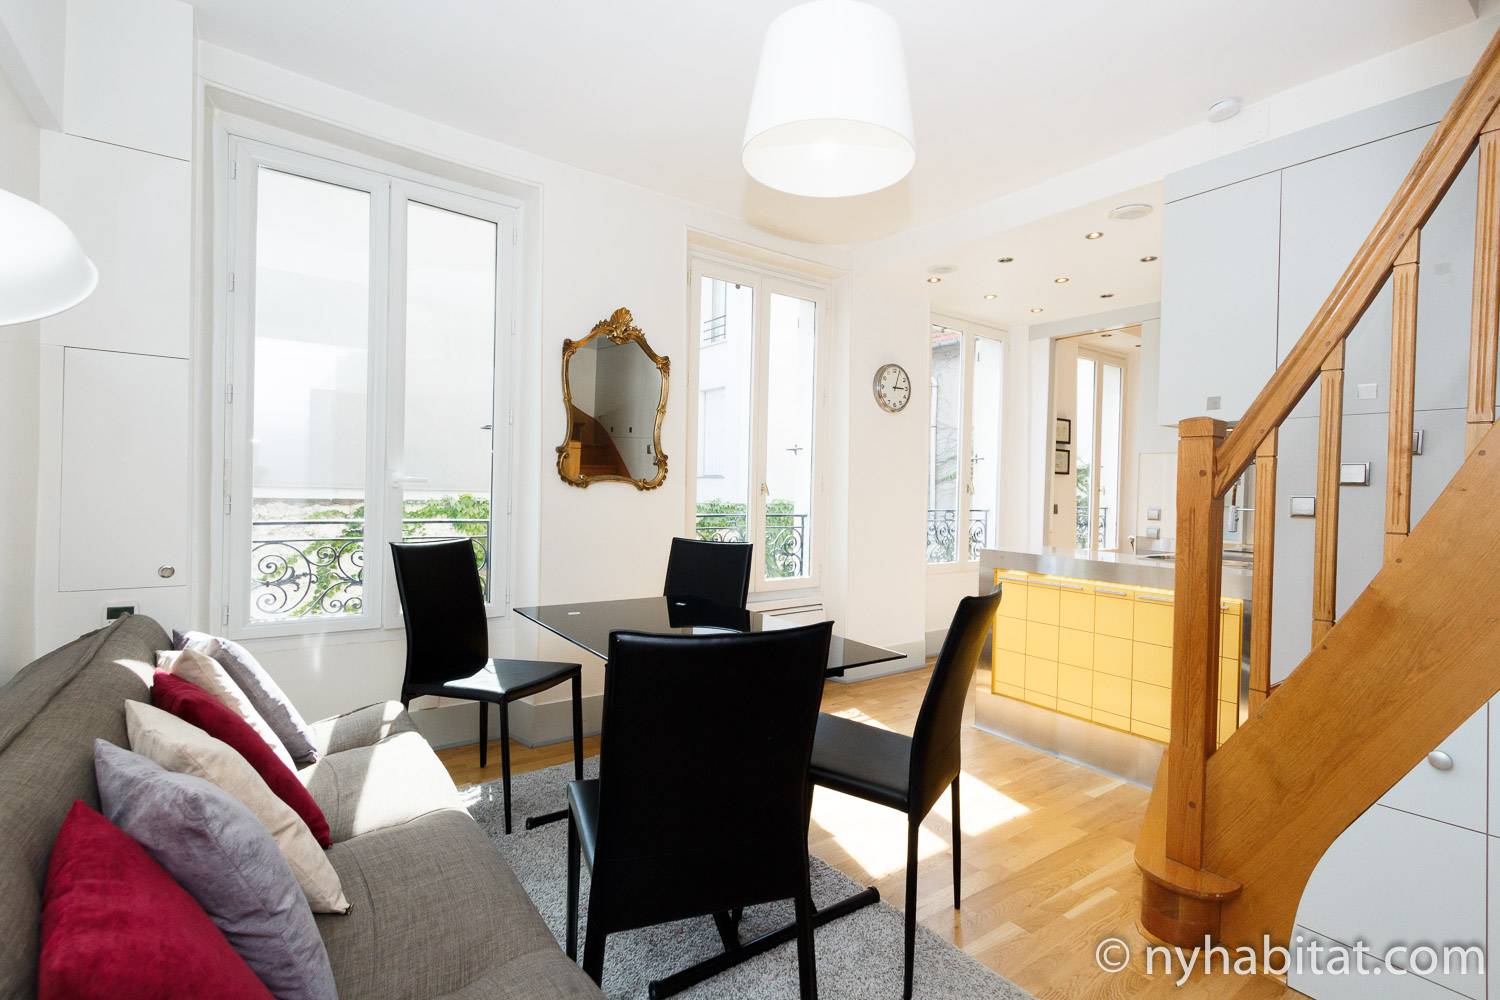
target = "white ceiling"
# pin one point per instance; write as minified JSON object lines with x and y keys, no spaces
{"x":1004,"y":92}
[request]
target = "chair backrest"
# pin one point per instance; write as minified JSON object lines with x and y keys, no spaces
{"x":935,"y":757}
{"x":442,"y":605}
{"x":703,"y":765}
{"x":718,"y":572}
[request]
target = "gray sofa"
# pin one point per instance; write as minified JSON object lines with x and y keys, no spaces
{"x":436,"y":912}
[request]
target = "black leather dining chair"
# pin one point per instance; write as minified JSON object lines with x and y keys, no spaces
{"x":718,"y":572}
{"x":447,"y":646}
{"x":702,"y":802}
{"x":910,"y":773}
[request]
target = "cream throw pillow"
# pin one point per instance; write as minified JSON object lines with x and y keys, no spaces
{"x":184,"y":748}
{"x":206,"y":672}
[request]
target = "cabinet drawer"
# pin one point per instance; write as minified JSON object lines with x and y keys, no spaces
{"x":1150,"y":704}
{"x":1229,"y":720}
{"x":1151,"y":664}
{"x":1076,"y":607}
{"x":1015,"y":691}
{"x":1229,"y":680}
{"x":1229,"y":635}
{"x":1013,"y":597}
{"x":1159,"y":733}
{"x":1075,"y":647}
{"x":1104,"y":718}
{"x":1041,"y":676}
{"x":1041,"y":640}
{"x":1074,"y":709}
{"x":1038,"y":698}
{"x":1075,"y":684}
{"x":1010,"y":667}
{"x":1153,"y":619}
{"x":1457,"y":795}
{"x":1112,"y":695}
{"x":1316,"y":970}
{"x":1010,"y":633}
{"x":1112,"y":655}
{"x":1112,"y":614}
{"x":1042,"y":603}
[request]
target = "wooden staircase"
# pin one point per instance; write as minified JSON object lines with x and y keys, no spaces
{"x":1232,"y":835}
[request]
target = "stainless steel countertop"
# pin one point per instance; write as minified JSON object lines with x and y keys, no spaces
{"x":1108,"y":567}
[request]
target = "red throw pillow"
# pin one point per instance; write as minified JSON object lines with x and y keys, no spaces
{"x":115,"y":925}
{"x":191,"y":703}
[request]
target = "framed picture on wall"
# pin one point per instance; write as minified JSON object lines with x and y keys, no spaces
{"x":1062,"y":461}
{"x":1063,"y":428}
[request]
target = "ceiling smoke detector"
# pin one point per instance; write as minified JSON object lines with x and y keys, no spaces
{"x":1222,"y":111}
{"x":1133,"y":210}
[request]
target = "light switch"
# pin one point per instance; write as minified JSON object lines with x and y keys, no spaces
{"x":1416,"y":442}
{"x":1214,"y":403}
{"x":1153,"y":532}
{"x":1304,"y":506}
{"x":1153,"y":513}
{"x":1354,"y":474}
{"x":1366,"y":390}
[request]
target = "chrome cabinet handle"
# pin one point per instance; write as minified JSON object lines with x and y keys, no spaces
{"x":1440,"y":760}
{"x":166,"y":572}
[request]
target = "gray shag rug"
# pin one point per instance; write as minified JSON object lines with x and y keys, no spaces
{"x":859,"y":956}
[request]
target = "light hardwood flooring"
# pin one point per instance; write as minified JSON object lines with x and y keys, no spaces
{"x":1048,"y":869}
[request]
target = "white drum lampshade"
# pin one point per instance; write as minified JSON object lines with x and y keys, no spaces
{"x":831,"y":115}
{"x":43,"y":269}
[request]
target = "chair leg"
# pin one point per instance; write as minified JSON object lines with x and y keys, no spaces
{"x":914,"y":827}
{"x":574,"y":852}
{"x":957,"y":850}
{"x":593,"y":939}
{"x":484,"y":734}
{"x":578,"y":727}
{"x":807,"y":961}
{"x":505,"y":758}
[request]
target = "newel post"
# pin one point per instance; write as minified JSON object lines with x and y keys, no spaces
{"x":1195,"y":636}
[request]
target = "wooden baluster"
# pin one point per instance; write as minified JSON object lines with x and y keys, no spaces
{"x":1326,"y":525}
{"x":1486,"y":310}
{"x":1195,"y":636}
{"x":1403,"y":394}
{"x":1262,"y":573}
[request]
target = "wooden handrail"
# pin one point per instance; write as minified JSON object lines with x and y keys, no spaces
{"x":1414,"y":202}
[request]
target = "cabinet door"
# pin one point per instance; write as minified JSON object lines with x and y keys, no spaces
{"x":1394,"y":878}
{"x":124,"y":508}
{"x":1456,"y":795}
{"x":1328,"y":207}
{"x":1219,"y":287}
{"x":1318,"y":970}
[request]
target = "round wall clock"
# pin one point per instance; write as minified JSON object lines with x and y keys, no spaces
{"x":892,"y":388}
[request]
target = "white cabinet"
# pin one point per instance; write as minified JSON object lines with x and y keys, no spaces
{"x":123,"y":511}
{"x":132,"y":213}
{"x":1331,"y":970}
{"x":1452,"y":787}
{"x":1218,"y":323}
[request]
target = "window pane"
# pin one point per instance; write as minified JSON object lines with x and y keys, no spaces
{"x":946,"y":385}
{"x":725,"y":359}
{"x":985,"y":460}
{"x":789,"y":436}
{"x":311,"y":370}
{"x":1083,"y":456}
{"x":450,"y":377}
{"x":1111,"y":419}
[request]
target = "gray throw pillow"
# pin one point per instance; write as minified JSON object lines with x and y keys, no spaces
{"x":226,"y":860}
{"x":264,"y":693}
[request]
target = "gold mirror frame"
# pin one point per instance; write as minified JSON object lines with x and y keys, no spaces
{"x":620,"y":328}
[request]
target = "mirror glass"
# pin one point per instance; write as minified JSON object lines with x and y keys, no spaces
{"x":615,"y":391}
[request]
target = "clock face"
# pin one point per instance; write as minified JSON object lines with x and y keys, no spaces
{"x":892,"y":388}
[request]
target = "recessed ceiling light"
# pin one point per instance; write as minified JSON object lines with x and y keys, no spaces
{"x":1037,"y":309}
{"x":1095,"y":235}
{"x":1004,"y":260}
{"x":1148,"y":258}
{"x":1222,"y":111}
{"x":1061,"y":281}
{"x":1106,"y":295}
{"x":933,"y":279}
{"x":1135,"y":345}
{"x":1132,"y":210}
{"x":1104,"y":335}
{"x":990,"y":296}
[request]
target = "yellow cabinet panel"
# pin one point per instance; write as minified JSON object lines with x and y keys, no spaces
{"x":1158,"y":733}
{"x":1112,"y":614}
{"x":1112,"y":655}
{"x":1042,"y":603}
{"x":1229,"y":679}
{"x":1229,"y":717}
{"x":1110,"y":719}
{"x":1044,"y":700}
{"x":1010,"y":690}
{"x":1041,"y":640}
{"x":1041,"y":675}
{"x":1153,"y":620}
{"x":1075,"y":608}
{"x":1010,"y":633}
{"x":1073,"y":708}
{"x":1229,"y":635}
{"x":1010,"y":667}
{"x":1075,"y":684}
{"x":1013,"y":597}
{"x":1112,"y":695}
{"x":1150,"y":704}
{"x":1151,"y":664}
{"x":1075,"y":647}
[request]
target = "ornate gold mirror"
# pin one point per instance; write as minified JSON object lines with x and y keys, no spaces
{"x":615,"y":395}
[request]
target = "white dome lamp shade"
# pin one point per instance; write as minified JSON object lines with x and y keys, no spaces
{"x":43,"y":269}
{"x":831,"y":115}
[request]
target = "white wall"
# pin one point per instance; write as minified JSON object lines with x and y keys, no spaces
{"x":31,"y":56}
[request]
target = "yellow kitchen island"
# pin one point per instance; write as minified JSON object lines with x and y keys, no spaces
{"x":1089,"y":638}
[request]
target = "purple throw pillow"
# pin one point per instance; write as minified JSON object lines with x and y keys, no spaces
{"x":225,"y":858}
{"x":264,"y":693}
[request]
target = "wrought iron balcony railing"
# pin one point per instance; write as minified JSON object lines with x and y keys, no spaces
{"x":316,"y":566}
{"x":942,"y":534}
{"x":785,"y":542}
{"x":715,"y":329}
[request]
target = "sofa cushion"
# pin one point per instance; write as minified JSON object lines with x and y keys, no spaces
{"x":107,"y":902}
{"x":264,"y":693}
{"x":219,"y":852}
{"x":186,"y":749}
{"x":204,"y":671}
{"x":384,"y":784}
{"x":361,"y":727}
{"x":437,"y":913}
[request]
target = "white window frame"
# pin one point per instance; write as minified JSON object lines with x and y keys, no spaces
{"x":764,"y":282}
{"x":241,"y":147}
{"x":971,"y":334}
{"x":1119,"y":361}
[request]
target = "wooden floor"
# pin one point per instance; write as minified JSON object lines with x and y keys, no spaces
{"x":1048,"y":868}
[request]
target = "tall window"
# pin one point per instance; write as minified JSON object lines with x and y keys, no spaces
{"x":1100,"y":425}
{"x":365,"y":344}
{"x":756,"y":377}
{"x":963,"y":470}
